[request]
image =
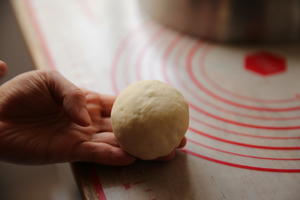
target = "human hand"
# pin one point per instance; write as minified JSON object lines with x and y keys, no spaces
{"x":46,"y":119}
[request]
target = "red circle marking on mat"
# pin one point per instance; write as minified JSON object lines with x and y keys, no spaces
{"x":212,"y":105}
{"x":241,"y":143}
{"x":167,"y":52}
{"x":116,"y":59}
{"x":215,"y":96}
{"x":165,"y":56}
{"x":224,"y":162}
{"x":226,"y":91}
{"x":119,"y":52}
{"x":142,"y":53}
{"x":193,"y":51}
{"x":126,"y":62}
{"x":239,"y":165}
{"x":238,"y":154}
{"x":223,"y":119}
{"x":244,"y":134}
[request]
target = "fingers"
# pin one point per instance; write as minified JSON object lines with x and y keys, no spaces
{"x":92,"y":97}
{"x":167,"y":157}
{"x":101,"y":123}
{"x":107,"y":102}
{"x":3,"y":68}
{"x":94,"y":111}
{"x":105,"y":137}
{"x":70,"y":97}
{"x":75,"y":106}
{"x":103,"y":153}
{"x":106,"y":124}
{"x":182,"y":143}
{"x":104,"y":149}
{"x":173,"y":153}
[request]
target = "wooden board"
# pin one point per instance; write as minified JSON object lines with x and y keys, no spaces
{"x":243,"y":140}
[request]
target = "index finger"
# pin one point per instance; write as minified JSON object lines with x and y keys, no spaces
{"x":182,"y":143}
{"x":106,"y":101}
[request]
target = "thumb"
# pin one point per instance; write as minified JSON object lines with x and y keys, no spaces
{"x":70,"y":97}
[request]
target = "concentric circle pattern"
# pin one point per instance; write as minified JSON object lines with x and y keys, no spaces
{"x":238,"y":118}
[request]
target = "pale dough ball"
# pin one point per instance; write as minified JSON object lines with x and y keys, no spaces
{"x":150,"y":119}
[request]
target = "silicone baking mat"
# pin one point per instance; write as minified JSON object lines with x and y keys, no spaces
{"x":244,"y":134}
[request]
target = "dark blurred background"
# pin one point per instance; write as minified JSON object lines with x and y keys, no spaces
{"x":17,"y":182}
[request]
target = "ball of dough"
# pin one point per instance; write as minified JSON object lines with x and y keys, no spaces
{"x":149,"y":119}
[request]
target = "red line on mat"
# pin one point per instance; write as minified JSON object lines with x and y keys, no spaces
{"x":212,"y":94}
{"x":238,"y":154}
{"x":97,"y":184}
{"x":242,"y":144}
{"x":239,"y":165}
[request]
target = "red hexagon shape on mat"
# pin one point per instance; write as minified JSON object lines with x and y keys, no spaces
{"x":265,"y":63}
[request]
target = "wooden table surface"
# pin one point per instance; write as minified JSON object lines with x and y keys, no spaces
{"x":243,"y":139}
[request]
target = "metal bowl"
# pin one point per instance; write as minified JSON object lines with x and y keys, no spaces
{"x":230,"y":20}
